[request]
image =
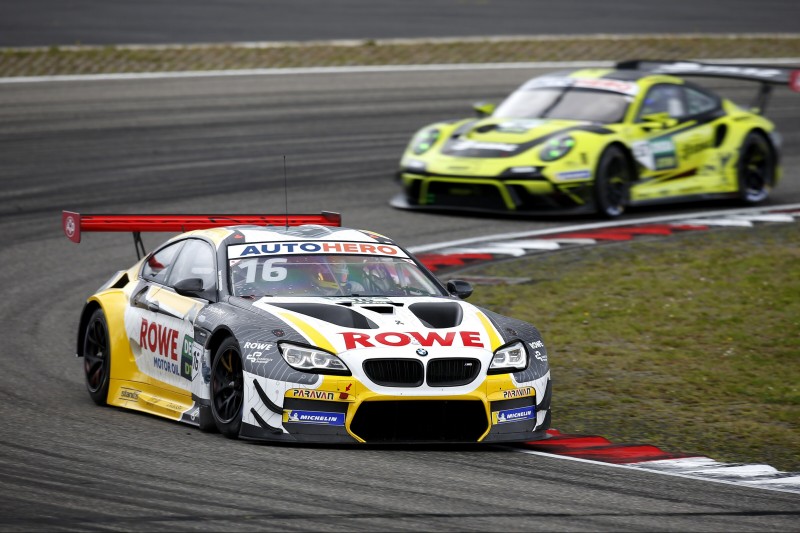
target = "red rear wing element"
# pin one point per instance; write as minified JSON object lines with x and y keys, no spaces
{"x":74,"y":223}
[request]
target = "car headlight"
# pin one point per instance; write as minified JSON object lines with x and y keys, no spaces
{"x":424,"y":141}
{"x":310,"y":359}
{"x":414,"y":165}
{"x":556,"y":148}
{"x":509,"y":358}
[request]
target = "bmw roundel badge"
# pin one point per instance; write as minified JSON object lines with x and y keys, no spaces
{"x":422,"y":352}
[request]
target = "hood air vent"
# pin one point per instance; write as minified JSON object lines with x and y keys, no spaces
{"x":438,"y":315}
{"x":334,"y":314}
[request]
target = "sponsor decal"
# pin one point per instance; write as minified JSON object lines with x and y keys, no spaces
{"x":470,"y":339}
{"x":159,"y":339}
{"x":475,"y":145}
{"x":199,"y":363}
{"x":162,"y":342}
{"x":313,"y":394}
{"x":518,"y":393}
{"x":656,"y":155}
{"x":513,"y":415}
{"x":129,"y":395}
{"x":519,"y":126}
{"x":574,"y":175}
{"x":313,"y":247}
{"x":344,"y":395}
{"x":186,"y":357}
{"x":690,"y":149}
{"x":257,"y":345}
{"x":69,"y":226}
{"x":602,"y":84}
{"x":314,"y":417}
{"x":538,"y":354}
{"x":616,"y":86}
{"x":194,"y":414}
{"x":258,"y":355}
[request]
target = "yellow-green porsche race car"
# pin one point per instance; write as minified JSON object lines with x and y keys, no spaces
{"x":294,"y":329}
{"x":599,"y":140}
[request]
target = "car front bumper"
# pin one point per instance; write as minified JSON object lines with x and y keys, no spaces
{"x":534,"y":194}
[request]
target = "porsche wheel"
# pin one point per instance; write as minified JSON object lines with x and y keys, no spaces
{"x":227,"y":389}
{"x":611,"y":183}
{"x":97,"y":357}
{"x":756,"y":169}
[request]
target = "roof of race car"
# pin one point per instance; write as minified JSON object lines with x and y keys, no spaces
{"x":624,"y":81}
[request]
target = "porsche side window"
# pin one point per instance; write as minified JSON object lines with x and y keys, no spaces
{"x":699,"y":102}
{"x":664,"y":98}
{"x":156,"y":266}
{"x":196,"y":260}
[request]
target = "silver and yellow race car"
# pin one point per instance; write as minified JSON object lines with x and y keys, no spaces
{"x":292,"y":328}
{"x":599,"y":140}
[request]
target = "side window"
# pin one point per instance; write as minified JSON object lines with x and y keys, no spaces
{"x":156,"y":267}
{"x":196,"y":260}
{"x":665,"y":98}
{"x":699,"y":102}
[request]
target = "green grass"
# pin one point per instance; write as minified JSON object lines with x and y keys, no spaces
{"x":690,"y":343}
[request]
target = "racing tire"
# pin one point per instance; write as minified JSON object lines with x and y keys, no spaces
{"x":612,"y":183}
{"x":96,"y":353}
{"x":756,"y":168}
{"x":227,"y":388}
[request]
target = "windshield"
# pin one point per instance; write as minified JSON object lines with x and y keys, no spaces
{"x":565,"y":103}
{"x":329,"y":275}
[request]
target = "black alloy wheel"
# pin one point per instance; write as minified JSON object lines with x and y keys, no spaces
{"x":227,"y":389}
{"x":97,"y":357}
{"x":756,"y":169}
{"x":612,"y":182}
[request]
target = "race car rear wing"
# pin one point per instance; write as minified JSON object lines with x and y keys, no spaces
{"x":75,"y":224}
{"x":765,"y":75}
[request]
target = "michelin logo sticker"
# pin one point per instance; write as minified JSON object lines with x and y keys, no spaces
{"x":313,"y":417}
{"x":513,"y":415}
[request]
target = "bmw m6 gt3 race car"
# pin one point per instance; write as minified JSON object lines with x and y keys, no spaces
{"x":599,"y":140}
{"x":292,"y":328}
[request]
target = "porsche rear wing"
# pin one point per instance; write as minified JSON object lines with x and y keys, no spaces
{"x":765,"y":75}
{"x":75,"y":224}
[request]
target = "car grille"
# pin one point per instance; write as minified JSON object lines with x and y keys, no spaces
{"x":394,"y":372}
{"x":420,"y":421}
{"x":452,"y":372}
{"x":465,"y":194}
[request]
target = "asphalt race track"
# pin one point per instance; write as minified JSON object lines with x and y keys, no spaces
{"x":217,"y":145}
{"x":58,"y":22}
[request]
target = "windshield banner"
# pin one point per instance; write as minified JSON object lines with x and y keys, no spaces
{"x":313,"y":247}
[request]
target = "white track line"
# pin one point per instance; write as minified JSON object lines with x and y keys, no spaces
{"x":643,"y":467}
{"x":601,"y":225}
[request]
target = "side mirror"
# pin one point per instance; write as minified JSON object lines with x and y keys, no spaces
{"x":192,"y":287}
{"x":483,"y":109}
{"x":459,"y":288}
{"x":659,"y":120}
